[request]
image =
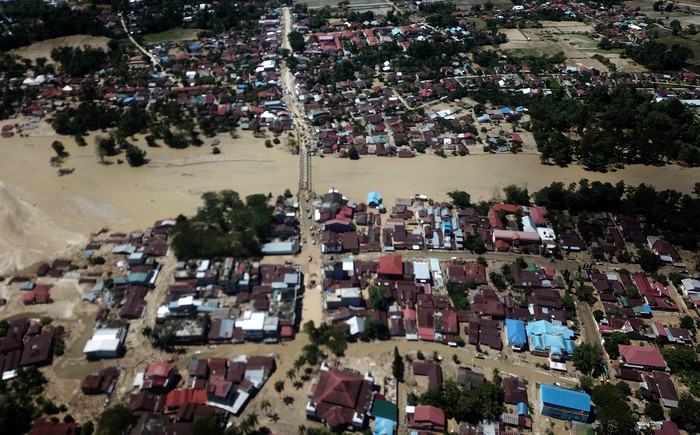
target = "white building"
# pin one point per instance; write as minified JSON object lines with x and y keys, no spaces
{"x":105,"y":343}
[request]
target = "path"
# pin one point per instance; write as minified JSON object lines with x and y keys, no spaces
{"x":154,"y":60}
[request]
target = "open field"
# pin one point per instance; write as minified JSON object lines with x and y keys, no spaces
{"x":177,"y":34}
{"x":43,"y":48}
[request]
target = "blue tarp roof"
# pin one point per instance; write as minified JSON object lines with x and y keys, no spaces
{"x":374,"y":197}
{"x":522,"y":409}
{"x":383,"y":426}
{"x":565,"y":398}
{"x":515,"y":331}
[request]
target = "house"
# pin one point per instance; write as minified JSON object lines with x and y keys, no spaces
{"x":642,"y":357}
{"x":102,"y":382}
{"x":515,"y":332}
{"x":564,"y":404}
{"x":341,"y":399}
{"x":668,"y":428}
{"x":427,"y":417}
{"x":374,"y":199}
{"x":391,"y":267}
{"x":515,"y":389}
{"x":38,"y":350}
{"x":469,"y":379}
{"x":105,"y":343}
{"x":430,"y":369}
{"x":544,"y":336}
{"x":666,"y":251}
{"x":160,"y":378}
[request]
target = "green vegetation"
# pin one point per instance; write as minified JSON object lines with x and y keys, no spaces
{"x":588,"y":359}
{"x":460,"y":198}
{"x":224,"y":226}
{"x":612,"y":129}
{"x":174,"y":34}
{"x":336,"y":339}
{"x":612,"y":342}
{"x":669,"y":212}
{"x":296,"y":41}
{"x":77,"y":62}
{"x":483,"y":402}
{"x":18,"y":406}
{"x":614,"y":413}
{"x":687,"y":414}
{"x":659,"y":57}
{"x":458,"y":294}
{"x":56,"y":21}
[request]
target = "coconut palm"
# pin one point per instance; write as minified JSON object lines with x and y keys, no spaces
{"x":265,"y":405}
{"x":291,"y":374}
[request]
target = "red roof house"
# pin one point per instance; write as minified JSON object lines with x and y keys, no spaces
{"x":642,"y":357}
{"x":428,"y":418}
{"x":341,"y":399}
{"x":391,"y":265}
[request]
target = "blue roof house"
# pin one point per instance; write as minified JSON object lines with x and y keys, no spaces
{"x":544,"y":336}
{"x":374,"y":199}
{"x":515,"y":331}
{"x":564,"y":404}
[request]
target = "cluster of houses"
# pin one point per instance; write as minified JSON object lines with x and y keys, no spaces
{"x":166,"y":399}
{"x":232,"y":302}
{"x":27,"y":343}
{"x":418,"y":223}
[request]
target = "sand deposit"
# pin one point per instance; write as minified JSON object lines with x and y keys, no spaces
{"x":42,"y":213}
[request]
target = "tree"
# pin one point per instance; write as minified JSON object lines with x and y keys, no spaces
{"x":516,"y":195}
{"x":460,"y":198}
{"x":585,"y":382}
{"x":279,"y":386}
{"x":614,"y":414}
{"x":687,"y":414}
{"x":105,"y":147}
{"x":135,"y":156}
{"x":296,"y":41}
{"x":587,"y":359}
{"x":58,"y":148}
{"x":613,"y":341}
{"x":397,"y":366}
{"x":208,"y":426}
{"x":377,"y":299}
{"x":353,"y":154}
{"x":58,"y":162}
{"x":654,"y":411}
{"x":114,"y":421}
{"x":649,"y":261}
{"x":265,"y":405}
{"x":679,"y":358}
{"x":687,"y":322}
{"x":291,"y":374}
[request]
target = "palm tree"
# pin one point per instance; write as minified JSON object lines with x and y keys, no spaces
{"x":291,"y":374}
{"x":279,"y":386}
{"x":252,"y":420}
{"x":265,"y":405}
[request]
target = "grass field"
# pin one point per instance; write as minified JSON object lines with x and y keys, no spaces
{"x":177,"y":34}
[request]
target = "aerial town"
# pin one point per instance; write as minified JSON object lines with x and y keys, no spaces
{"x":366,"y":216}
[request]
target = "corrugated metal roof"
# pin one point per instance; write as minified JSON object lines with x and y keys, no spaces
{"x":565,"y":398}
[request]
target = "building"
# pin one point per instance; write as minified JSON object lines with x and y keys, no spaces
{"x":105,"y":343}
{"x":280,"y":248}
{"x":515,"y":331}
{"x":564,"y":404}
{"x":642,"y":357}
{"x":427,"y":417}
{"x":341,"y":399}
{"x":546,"y":337}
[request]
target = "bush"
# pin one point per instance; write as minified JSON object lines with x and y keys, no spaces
{"x":215,"y":150}
{"x":135,"y":156}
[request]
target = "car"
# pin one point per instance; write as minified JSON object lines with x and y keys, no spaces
{"x":479,"y":355}
{"x":310,"y":259}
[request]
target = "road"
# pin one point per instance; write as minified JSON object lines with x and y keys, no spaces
{"x":154,"y":60}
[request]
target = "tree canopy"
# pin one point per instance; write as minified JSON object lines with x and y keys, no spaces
{"x":224,"y":226}
{"x":611,"y":343}
{"x":614,"y":413}
{"x":587,"y":359}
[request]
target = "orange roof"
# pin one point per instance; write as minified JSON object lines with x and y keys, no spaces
{"x":177,"y":398}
